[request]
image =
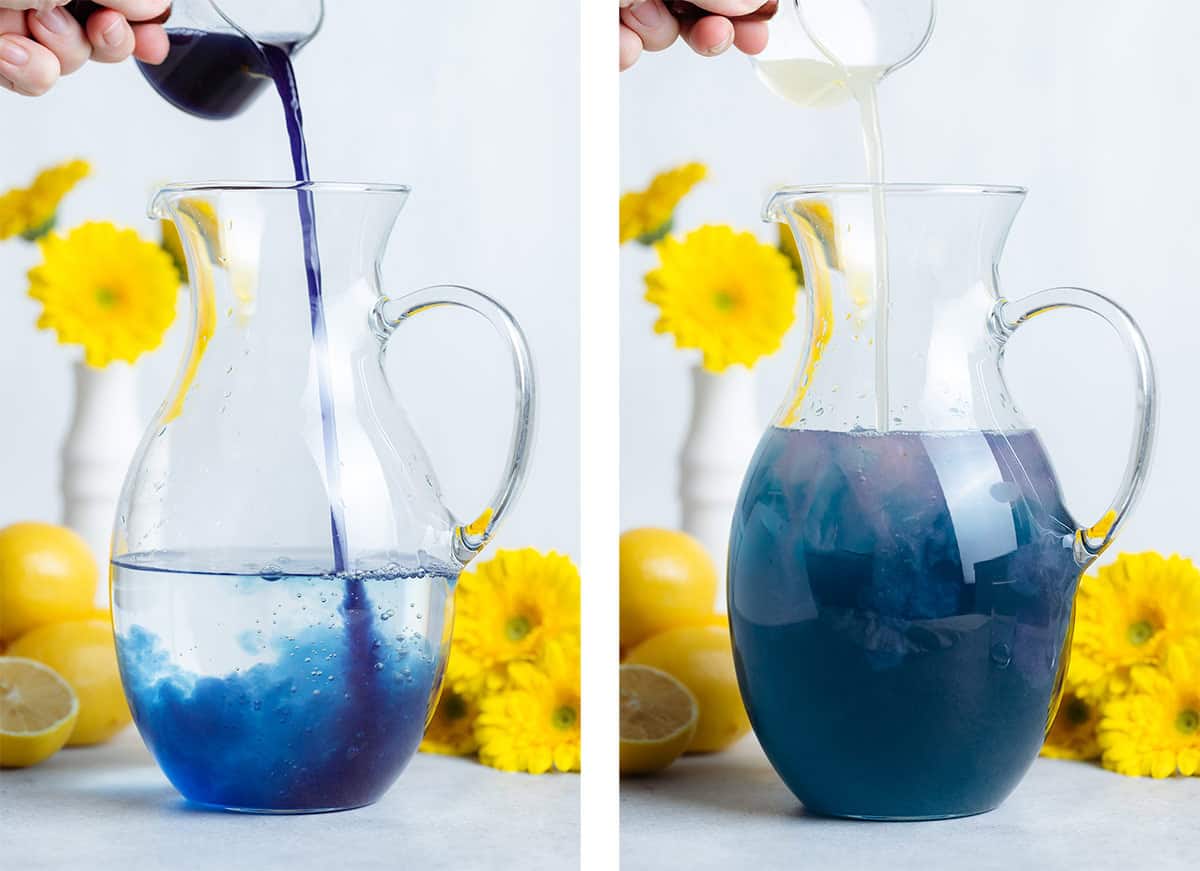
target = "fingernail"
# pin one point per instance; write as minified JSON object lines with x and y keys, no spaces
{"x":721,"y":46}
{"x":12,"y":52}
{"x":54,"y":20}
{"x":648,"y":14}
{"x":114,"y":34}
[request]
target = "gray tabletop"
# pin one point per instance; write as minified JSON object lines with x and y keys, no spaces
{"x":730,"y":810}
{"x":110,"y":807}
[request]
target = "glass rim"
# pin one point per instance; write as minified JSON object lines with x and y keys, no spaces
{"x":192,"y":187}
{"x":900,"y":188}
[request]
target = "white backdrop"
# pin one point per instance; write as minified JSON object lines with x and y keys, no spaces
{"x":473,"y":106}
{"x":1092,"y":105}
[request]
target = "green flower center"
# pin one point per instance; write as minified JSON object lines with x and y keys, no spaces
{"x":517,"y":628}
{"x":456,"y":707}
{"x":1188,"y":721}
{"x":106,"y":298}
{"x":724,"y":301}
{"x":564,"y":717}
{"x":1140,"y":632}
{"x":1078,"y":712}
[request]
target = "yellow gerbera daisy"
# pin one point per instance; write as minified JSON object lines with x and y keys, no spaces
{"x":534,"y":725}
{"x":647,"y":215}
{"x":1129,"y":614}
{"x":506,"y":610}
{"x":1155,"y":729}
{"x":1073,"y":734}
{"x":31,"y":212}
{"x":723,"y":292}
{"x":106,"y":289}
{"x":451,"y":731}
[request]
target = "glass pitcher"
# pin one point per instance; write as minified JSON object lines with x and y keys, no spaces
{"x":283,"y":564}
{"x":902,"y":566}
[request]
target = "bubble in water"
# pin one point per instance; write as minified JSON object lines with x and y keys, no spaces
{"x":388,"y":614}
{"x":379,"y":666}
{"x":1001,"y":654}
{"x":316,"y":672}
{"x":257,"y":705}
{"x":271,"y":572}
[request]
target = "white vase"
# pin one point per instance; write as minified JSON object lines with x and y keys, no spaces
{"x":720,"y":443}
{"x":102,"y":438}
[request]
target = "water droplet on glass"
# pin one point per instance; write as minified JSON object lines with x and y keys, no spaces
{"x":271,"y":572}
{"x":1001,"y":654}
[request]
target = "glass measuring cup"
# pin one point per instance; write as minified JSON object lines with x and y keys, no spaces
{"x":817,"y":48}
{"x":214,"y":68}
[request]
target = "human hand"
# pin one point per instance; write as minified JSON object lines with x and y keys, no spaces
{"x":648,"y":25}
{"x":40,"y":41}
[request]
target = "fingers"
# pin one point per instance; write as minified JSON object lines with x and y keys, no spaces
{"x":60,"y":33}
{"x":729,"y":8}
{"x":26,"y":67}
{"x":750,"y":37}
{"x":710,"y":35}
{"x":631,"y":48}
{"x":111,"y":36}
{"x":654,"y":25}
{"x":138,"y":10}
{"x":150,"y":43}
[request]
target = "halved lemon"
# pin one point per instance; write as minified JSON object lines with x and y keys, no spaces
{"x":37,"y":712}
{"x":658,"y":719}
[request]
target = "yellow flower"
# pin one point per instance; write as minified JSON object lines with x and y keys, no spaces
{"x":1155,"y":729}
{"x":1130,"y":614}
{"x":507,"y":609}
{"x":31,"y":212}
{"x":534,"y":725}
{"x":647,"y":215}
{"x":451,"y":731}
{"x":723,"y":292}
{"x":106,"y":289}
{"x":1073,"y":734}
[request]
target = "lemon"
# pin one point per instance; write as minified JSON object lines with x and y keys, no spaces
{"x":83,"y":652}
{"x":658,"y":719}
{"x":667,"y":580}
{"x":701,"y":658}
{"x":38,"y":710}
{"x":47,"y":574}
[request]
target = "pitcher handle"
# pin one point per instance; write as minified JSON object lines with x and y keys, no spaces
{"x":471,"y":538}
{"x":1091,"y":541}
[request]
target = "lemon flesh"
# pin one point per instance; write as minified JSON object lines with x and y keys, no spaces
{"x":38,"y":711}
{"x":658,"y":719}
{"x":701,"y":658}
{"x":84,"y":653}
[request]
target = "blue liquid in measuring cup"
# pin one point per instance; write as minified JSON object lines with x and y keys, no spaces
{"x":900,"y":605}
{"x":277,"y":691}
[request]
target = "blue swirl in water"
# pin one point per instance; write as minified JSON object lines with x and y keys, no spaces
{"x":329,"y":724}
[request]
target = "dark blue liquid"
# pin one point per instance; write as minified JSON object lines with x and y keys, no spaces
{"x":215,"y":75}
{"x":279,"y":62}
{"x":329,"y":719}
{"x":899,"y":606}
{"x":210,"y":75}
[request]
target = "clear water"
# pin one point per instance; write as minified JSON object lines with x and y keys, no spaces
{"x":899,"y":605}
{"x":276,"y":687}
